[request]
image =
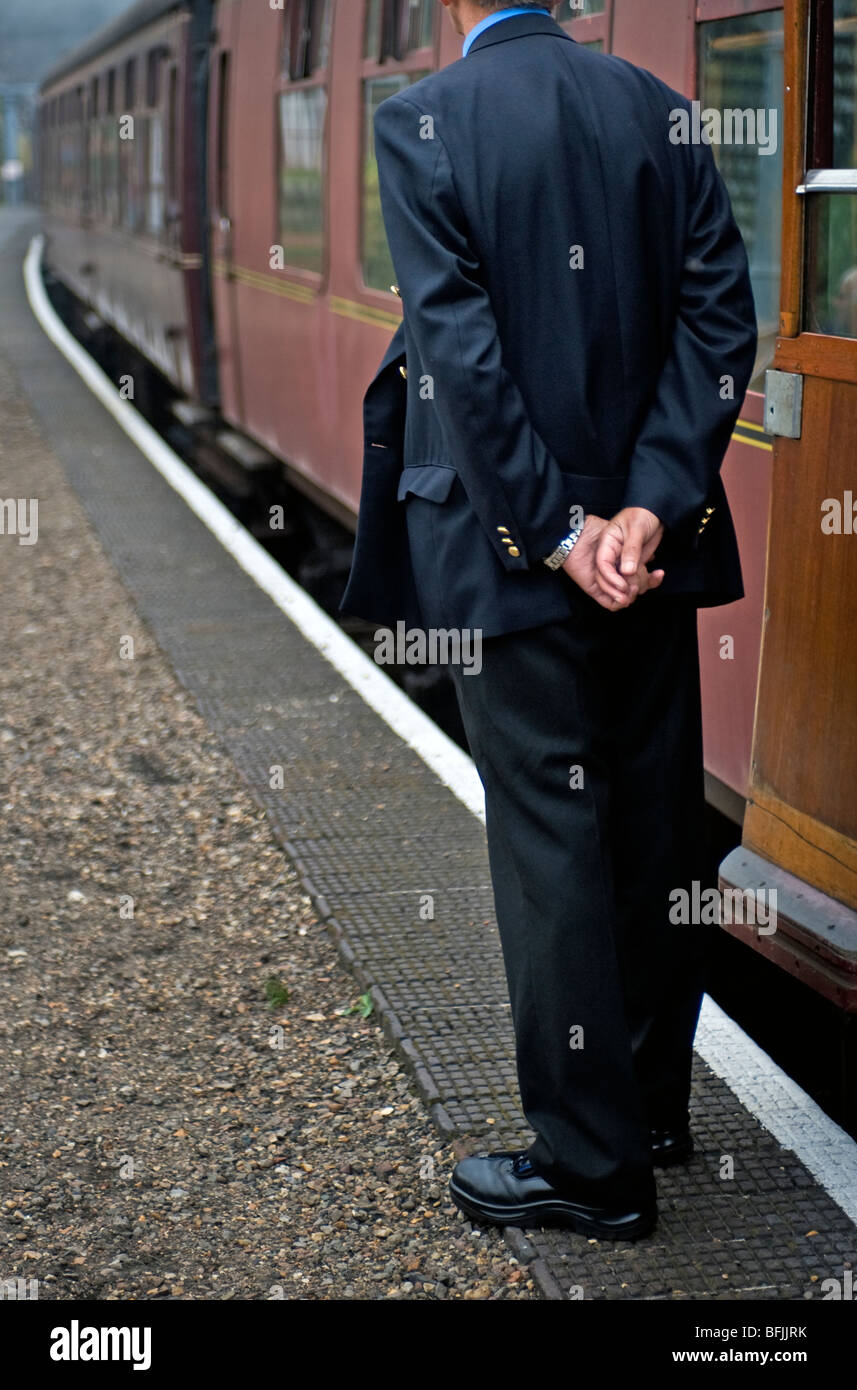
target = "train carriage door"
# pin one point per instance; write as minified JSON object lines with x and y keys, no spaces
{"x":802,"y":807}
{"x":221,"y":214}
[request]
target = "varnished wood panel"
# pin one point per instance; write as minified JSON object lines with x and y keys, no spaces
{"x":805,"y":847}
{"x":795,"y":38}
{"x":805,"y":745}
{"x":819,"y":355}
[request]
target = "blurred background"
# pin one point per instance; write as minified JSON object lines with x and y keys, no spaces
{"x":33,"y":34}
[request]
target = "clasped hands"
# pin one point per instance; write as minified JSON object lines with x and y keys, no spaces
{"x":609,"y":561}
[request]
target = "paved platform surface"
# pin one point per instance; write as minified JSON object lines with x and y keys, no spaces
{"x":369,"y":830}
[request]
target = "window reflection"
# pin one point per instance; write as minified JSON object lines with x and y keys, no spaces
{"x":741,"y":68}
{"x":394,"y":28}
{"x":577,"y":9}
{"x":302,"y":115}
{"x":378,"y":272}
{"x":419,"y":20}
{"x":834,"y":105}
{"x":831,"y":273}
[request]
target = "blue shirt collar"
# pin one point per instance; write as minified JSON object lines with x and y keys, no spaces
{"x":494,"y":19}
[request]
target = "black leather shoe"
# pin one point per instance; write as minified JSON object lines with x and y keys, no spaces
{"x":671,"y":1146}
{"x":504,"y":1189}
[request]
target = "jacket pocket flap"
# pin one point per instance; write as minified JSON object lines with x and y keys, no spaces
{"x":431,"y":480}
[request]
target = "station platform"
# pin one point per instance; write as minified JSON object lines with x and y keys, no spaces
{"x":231,"y":702}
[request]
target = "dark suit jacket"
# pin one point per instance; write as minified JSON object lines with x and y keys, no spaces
{"x":578,"y":331}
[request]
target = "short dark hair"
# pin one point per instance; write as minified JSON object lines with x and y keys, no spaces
{"x":522,"y":4}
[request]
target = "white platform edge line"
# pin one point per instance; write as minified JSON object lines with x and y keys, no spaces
{"x":779,"y":1103}
{"x":454,"y":768}
{"x":758,"y":1083}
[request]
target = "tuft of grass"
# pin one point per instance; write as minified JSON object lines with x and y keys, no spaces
{"x":364,"y":1006}
{"x":275,"y":992}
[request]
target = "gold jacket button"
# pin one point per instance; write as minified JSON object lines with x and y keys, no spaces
{"x":513,"y":550}
{"x":403,"y":372}
{"x":504,"y":530}
{"x":395,"y":290}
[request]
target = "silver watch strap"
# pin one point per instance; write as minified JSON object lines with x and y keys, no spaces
{"x":560,"y":555}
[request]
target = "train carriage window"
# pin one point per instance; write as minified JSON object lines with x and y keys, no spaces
{"x":301,"y":117}
{"x":153,"y":164}
{"x":588,"y":21}
{"x":419,"y":24}
{"x":68,"y":151}
{"x":396,"y":32}
{"x":130,"y":96}
{"x":63,"y":153}
{"x":132,"y":185}
{"x":154,"y":66}
{"x":79,"y":192}
{"x":307,"y":37}
{"x":149,"y":132}
{"x":110,"y":170}
{"x":741,"y":80}
{"x":395,"y":27}
{"x":131,"y":156}
{"x":301,"y":202}
{"x":577,"y":9}
{"x":94,"y":139}
{"x":831,"y":278}
{"x":372,"y":29}
{"x":377,"y":264}
{"x":110,"y":153}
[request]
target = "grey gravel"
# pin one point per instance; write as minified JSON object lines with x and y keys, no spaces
{"x":166,"y":1132}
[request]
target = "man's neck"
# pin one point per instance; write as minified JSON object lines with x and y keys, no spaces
{"x":467,"y":16}
{"x":474,"y":14}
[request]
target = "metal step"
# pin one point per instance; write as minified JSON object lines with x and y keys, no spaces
{"x":190,"y":413}
{"x":244,"y":451}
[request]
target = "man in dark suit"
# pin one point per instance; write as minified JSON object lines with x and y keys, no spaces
{"x":543,"y":443}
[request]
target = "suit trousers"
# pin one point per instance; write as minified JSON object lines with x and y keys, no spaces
{"x":587,"y":737}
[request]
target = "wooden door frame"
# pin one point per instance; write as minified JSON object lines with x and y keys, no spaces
{"x":814,"y":354}
{"x":822,"y":855}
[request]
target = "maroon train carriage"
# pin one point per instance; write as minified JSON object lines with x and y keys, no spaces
{"x":122,"y":123}
{"x":237,"y":242}
{"x":253,"y":131}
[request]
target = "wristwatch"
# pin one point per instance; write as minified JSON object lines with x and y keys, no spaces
{"x":560,"y":555}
